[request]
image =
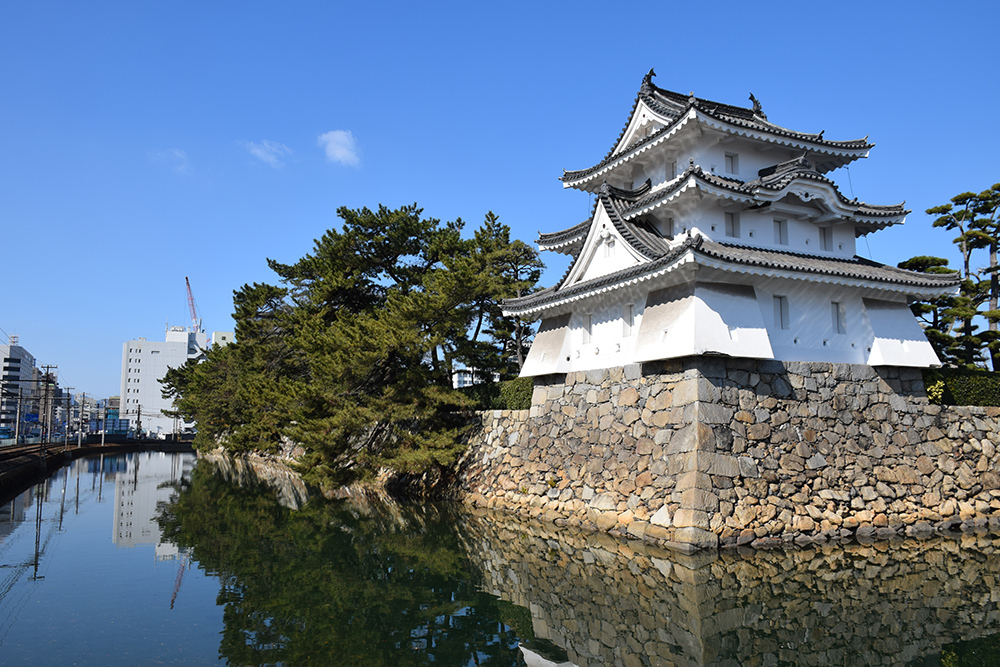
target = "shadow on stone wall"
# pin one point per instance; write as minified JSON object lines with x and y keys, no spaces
{"x":616,"y":602}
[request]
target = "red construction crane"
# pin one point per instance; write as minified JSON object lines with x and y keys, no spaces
{"x":195,"y":322}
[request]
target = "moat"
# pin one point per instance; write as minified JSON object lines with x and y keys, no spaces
{"x":160,"y":558}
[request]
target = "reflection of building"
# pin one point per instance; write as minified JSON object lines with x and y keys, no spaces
{"x":147,"y":482}
{"x":144,"y":363}
{"x":13,"y":513}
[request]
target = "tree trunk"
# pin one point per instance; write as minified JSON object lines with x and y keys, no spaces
{"x":994,"y":297}
{"x":519,"y":342}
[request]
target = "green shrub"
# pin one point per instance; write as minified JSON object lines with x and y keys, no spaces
{"x":960,"y":386}
{"x":483,"y":395}
{"x":507,"y":395}
{"x":516,"y":394}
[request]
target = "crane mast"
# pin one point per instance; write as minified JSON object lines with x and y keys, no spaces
{"x":195,"y":322}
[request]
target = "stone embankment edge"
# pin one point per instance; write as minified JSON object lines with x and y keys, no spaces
{"x":708,"y":452}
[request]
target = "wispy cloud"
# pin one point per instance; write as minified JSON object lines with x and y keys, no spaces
{"x":268,"y":151}
{"x":175,"y":158}
{"x":340,"y":147}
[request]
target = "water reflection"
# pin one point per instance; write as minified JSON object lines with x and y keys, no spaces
{"x":334,"y":583}
{"x":608,"y":602}
{"x":394,"y":584}
{"x":83,"y":577}
{"x":278,"y":577}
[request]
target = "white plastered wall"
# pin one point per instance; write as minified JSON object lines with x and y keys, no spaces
{"x":604,"y":252}
{"x":702,"y":318}
{"x":897,"y":339}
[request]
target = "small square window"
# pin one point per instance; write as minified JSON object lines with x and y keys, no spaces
{"x":826,"y":238}
{"x":732,"y":163}
{"x":587,"y":328}
{"x":839,"y":317}
{"x":781,"y":232}
{"x":628,"y":319}
{"x":673,"y":170}
{"x":781,"y":312}
{"x":733,"y":225}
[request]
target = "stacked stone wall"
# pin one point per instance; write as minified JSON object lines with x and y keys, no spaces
{"x":707,"y":451}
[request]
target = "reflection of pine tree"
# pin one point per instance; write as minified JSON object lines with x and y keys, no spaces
{"x":333,"y":584}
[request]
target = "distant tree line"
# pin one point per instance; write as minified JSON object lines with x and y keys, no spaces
{"x":351,"y":353}
{"x":953,"y":324}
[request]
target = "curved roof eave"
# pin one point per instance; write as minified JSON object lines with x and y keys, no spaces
{"x":711,"y":254}
{"x":847,"y":151}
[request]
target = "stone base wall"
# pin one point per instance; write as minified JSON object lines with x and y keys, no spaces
{"x":702,"y":452}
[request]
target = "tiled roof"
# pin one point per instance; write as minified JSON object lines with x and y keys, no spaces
{"x":742,"y":259}
{"x":674,"y":106}
{"x":772,"y":180}
{"x":855,"y":267}
{"x":574,"y":234}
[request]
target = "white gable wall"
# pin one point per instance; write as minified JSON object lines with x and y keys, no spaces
{"x":604,"y":251}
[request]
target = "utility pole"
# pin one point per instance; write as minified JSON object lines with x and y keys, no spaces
{"x":17,"y":422}
{"x":79,"y":428}
{"x":138,"y":421}
{"x":47,"y":403}
{"x":104,"y":422}
{"x":69,"y":410}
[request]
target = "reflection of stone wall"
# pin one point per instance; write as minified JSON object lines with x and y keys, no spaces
{"x":615,"y":602}
{"x":703,"y":450}
{"x":290,"y":489}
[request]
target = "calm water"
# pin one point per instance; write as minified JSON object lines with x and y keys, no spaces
{"x":154,"y":559}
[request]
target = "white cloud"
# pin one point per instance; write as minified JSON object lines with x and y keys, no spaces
{"x":340,"y":146}
{"x":174,"y":158}
{"x":267,"y":151}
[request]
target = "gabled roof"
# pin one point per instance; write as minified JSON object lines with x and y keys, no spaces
{"x":700,"y":250}
{"x":567,"y":241}
{"x":675,"y":109}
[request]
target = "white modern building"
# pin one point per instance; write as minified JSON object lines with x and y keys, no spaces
{"x":145,"y":363}
{"x":18,"y":378}
{"x":717,"y":232}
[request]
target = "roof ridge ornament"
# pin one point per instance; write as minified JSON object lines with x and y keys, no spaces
{"x":758,"y":110}
{"x":647,"y":82}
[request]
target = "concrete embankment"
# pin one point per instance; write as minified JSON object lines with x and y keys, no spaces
{"x":702,"y":452}
{"x":22,"y":465}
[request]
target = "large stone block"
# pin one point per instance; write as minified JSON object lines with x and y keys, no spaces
{"x":692,"y":437}
{"x":695,"y":538}
{"x":695,"y":389}
{"x":713,"y":413}
{"x":605,"y":501}
{"x":698,"y":500}
{"x":694,"y":480}
{"x":539,"y":395}
{"x":722,"y":465}
{"x":661,"y":518}
{"x":685,"y":518}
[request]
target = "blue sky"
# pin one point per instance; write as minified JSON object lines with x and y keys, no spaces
{"x":142,"y":142}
